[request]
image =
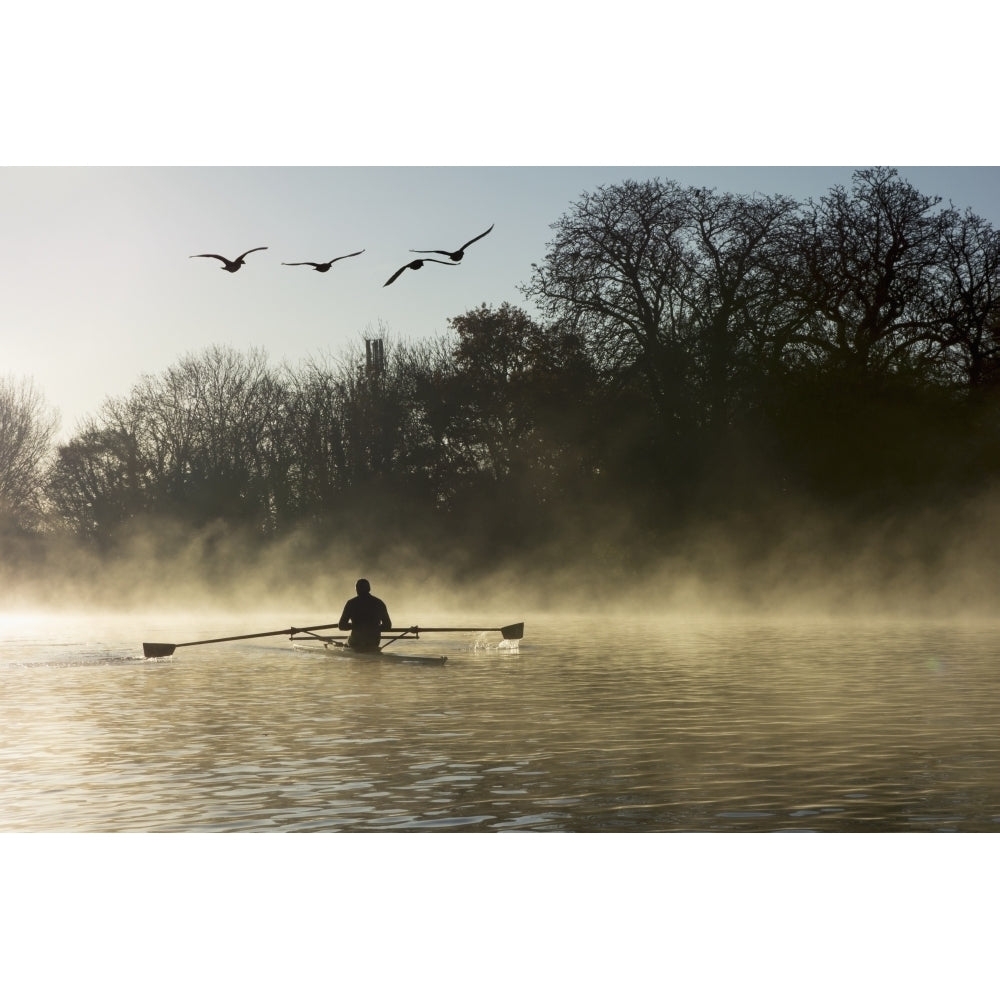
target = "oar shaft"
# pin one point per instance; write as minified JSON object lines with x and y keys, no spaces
{"x":317,"y":628}
{"x":508,"y":631}
{"x":330,"y":638}
{"x":256,"y":635}
{"x":468,"y":628}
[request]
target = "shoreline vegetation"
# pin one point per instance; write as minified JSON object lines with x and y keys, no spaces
{"x":740,"y":398}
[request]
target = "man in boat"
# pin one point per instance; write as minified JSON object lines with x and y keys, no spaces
{"x":366,"y":616}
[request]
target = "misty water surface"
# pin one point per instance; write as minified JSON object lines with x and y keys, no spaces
{"x":676,"y":725}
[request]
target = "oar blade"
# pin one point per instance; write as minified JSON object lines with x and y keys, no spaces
{"x":153,"y":650}
{"x":513,"y":631}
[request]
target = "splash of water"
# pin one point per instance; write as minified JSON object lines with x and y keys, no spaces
{"x":485,"y":643}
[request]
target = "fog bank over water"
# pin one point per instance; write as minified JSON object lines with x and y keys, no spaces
{"x":794,"y":561}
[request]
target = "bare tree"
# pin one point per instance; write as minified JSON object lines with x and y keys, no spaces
{"x":616,"y":268}
{"x":315,"y":436}
{"x":98,"y":481}
{"x":202,"y":441}
{"x":969,"y":300}
{"x":864,"y":264}
{"x":734,"y":298}
{"x":26,"y":429}
{"x":681,"y":286}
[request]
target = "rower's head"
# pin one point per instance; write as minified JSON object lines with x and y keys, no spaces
{"x":363,"y":587}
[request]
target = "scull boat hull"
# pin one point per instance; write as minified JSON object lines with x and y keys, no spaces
{"x":346,"y":653}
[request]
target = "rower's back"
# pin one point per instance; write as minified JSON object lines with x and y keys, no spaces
{"x":365,"y":615}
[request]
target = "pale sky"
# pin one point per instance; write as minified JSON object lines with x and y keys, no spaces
{"x":101,"y":288}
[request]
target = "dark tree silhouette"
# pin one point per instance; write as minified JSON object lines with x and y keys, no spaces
{"x":199,"y":443}
{"x":27,"y":425}
{"x":864,"y":263}
{"x":100,"y":481}
{"x":615,"y":268}
{"x":679,"y":286}
{"x":968,"y":301}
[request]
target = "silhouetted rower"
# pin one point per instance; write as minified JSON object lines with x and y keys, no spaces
{"x":366,"y":616}
{"x":229,"y":265}
{"x":457,"y":255}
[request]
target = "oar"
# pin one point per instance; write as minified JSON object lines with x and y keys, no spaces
{"x":154,"y":649}
{"x":334,"y":640}
{"x":508,"y":631}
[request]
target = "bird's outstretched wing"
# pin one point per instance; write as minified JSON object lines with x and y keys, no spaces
{"x":326,"y":265}
{"x":474,"y":238}
{"x":396,"y":275}
{"x":255,"y":249}
{"x":456,"y":255}
{"x":217,"y":256}
{"x":416,"y":264}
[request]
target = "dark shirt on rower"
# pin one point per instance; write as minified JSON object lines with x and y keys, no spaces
{"x":366,"y":616}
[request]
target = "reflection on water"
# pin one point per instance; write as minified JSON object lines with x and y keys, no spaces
{"x":677,"y":726}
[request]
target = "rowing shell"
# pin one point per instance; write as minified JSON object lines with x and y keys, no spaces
{"x":346,"y":653}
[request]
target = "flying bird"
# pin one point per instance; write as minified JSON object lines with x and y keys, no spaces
{"x":415,"y":265}
{"x":229,"y":265}
{"x":457,"y":255}
{"x":321,"y":267}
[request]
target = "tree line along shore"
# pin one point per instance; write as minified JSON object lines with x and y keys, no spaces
{"x":692,"y":358}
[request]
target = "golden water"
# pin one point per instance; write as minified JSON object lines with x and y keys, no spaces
{"x":672,"y":725}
